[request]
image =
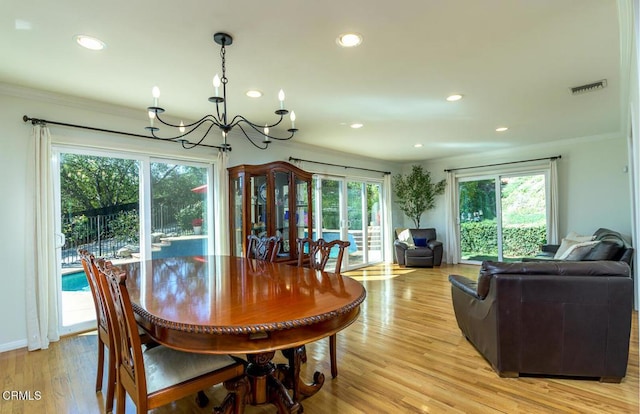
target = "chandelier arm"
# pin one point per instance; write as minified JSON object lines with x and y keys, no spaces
{"x":219,"y":118}
{"x":195,"y":124}
{"x":239,"y":118}
{"x":266,"y":145}
{"x":153,"y":134}
{"x":258,"y":129}
{"x":283,"y":138}
{"x":187,"y":144}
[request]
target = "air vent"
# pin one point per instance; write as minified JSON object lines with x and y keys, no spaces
{"x":590,"y":87}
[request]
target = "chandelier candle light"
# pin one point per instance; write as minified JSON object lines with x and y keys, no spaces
{"x":220,"y":119}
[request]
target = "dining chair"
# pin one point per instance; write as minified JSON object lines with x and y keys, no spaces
{"x":319,"y":253}
{"x":263,"y":248}
{"x":104,"y":331}
{"x":161,"y":375}
{"x":104,"y":336}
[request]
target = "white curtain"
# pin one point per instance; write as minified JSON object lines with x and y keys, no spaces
{"x":452,"y":246}
{"x":387,"y":235}
{"x":40,"y":250}
{"x":553,"y":230}
{"x":221,"y":204}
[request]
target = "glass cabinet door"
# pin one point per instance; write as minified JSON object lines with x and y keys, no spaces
{"x":259,"y":195}
{"x":237,"y":214}
{"x":302,"y":209}
{"x":281,"y":205}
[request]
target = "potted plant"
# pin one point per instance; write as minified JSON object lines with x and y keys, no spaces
{"x":415,"y":193}
{"x":197,"y":225}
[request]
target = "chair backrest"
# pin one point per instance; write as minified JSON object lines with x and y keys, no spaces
{"x":91,"y":272}
{"x":263,"y":248}
{"x":124,"y":329}
{"x":320,"y":252}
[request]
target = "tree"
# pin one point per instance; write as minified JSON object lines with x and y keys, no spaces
{"x":415,"y":193}
{"x":91,"y":182}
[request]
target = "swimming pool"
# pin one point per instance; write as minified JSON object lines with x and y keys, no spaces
{"x":77,"y":281}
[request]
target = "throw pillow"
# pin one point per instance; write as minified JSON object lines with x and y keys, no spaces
{"x":604,"y":250}
{"x":405,"y":237}
{"x":571,"y":239}
{"x":577,"y":237}
{"x":564,"y":246}
{"x":420,"y":242}
{"x":579,"y":250}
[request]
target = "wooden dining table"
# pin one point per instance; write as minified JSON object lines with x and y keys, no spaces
{"x":235,"y":305}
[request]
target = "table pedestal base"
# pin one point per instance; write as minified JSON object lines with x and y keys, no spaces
{"x":266,"y":387}
{"x":236,"y":399}
{"x":290,"y":375}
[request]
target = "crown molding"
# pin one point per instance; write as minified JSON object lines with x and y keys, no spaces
{"x":70,"y":101}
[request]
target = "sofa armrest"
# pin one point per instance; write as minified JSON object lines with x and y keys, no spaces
{"x":434,"y":244}
{"x":436,"y":247}
{"x":402,"y":245}
{"x":466,"y":285}
{"x":550,"y":248}
{"x":400,"y":248}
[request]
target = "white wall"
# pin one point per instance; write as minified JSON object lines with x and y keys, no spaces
{"x":14,"y":135}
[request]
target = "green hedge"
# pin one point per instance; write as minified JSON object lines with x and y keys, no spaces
{"x":481,"y":238}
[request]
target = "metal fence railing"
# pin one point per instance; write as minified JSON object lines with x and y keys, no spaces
{"x":105,"y":234}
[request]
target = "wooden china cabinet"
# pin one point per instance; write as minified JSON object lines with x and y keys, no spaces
{"x":271,"y":199}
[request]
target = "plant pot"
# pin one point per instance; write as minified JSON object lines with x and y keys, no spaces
{"x":197,"y":229}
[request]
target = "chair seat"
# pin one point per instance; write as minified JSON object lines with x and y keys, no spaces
{"x":165,"y":367}
{"x":419,"y":252}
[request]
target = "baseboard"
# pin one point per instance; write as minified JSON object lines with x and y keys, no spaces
{"x":10,"y":346}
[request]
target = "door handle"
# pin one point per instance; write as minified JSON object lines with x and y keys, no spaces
{"x":60,"y":240}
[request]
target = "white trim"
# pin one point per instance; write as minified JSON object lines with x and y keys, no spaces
{"x":10,"y":346}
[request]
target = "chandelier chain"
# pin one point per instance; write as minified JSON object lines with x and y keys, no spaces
{"x":223,"y":52}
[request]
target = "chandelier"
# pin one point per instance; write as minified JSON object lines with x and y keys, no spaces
{"x":220,"y":119}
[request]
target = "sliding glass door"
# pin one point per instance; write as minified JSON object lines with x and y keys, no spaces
{"x":349,"y":209}
{"x":179,"y":209}
{"x":502,"y":217}
{"x":124,"y":208}
{"x":479,"y":227}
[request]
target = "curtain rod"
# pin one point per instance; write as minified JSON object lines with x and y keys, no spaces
{"x":35,"y":121}
{"x":505,"y":163}
{"x":338,"y":165}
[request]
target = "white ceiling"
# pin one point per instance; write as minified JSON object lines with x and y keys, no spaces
{"x":513,"y":60}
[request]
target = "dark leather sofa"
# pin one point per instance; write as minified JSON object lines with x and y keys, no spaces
{"x":612,"y":246}
{"x":426,"y":253}
{"x":549,"y":318}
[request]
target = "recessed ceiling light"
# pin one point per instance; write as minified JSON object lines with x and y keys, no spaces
{"x":417,"y":145}
{"x":89,"y":42}
{"x":349,"y":39}
{"x":22,"y":24}
{"x":501,"y":129}
{"x":254,"y":93}
{"x":453,"y":98}
{"x":356,"y":125}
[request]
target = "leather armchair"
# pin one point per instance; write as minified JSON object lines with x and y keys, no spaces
{"x":427,"y":253}
{"x":550,"y":318}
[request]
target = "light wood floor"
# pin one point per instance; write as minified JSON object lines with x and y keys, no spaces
{"x":405,"y":354}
